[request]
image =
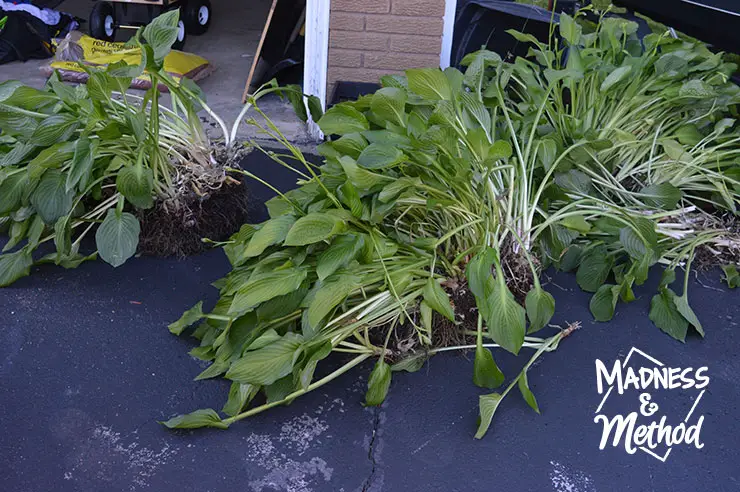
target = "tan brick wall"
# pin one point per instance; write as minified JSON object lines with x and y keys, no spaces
{"x":371,"y":38}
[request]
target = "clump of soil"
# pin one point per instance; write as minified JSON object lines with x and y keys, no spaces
{"x":208,"y":202}
{"x":725,"y":250}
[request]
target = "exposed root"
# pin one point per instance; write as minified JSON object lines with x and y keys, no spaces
{"x":205,"y":202}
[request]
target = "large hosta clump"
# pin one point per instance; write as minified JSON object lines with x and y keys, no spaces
{"x":442,"y":195}
{"x":94,"y":159}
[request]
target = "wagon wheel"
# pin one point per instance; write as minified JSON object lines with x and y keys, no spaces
{"x":197,"y":16}
{"x":103,"y":21}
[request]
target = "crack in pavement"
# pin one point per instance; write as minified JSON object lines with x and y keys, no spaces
{"x":371,"y":450}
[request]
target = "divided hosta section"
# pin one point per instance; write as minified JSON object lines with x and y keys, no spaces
{"x":444,"y":193}
{"x":92,"y":157}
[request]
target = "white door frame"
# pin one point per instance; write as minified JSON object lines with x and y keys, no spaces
{"x":316,"y":55}
{"x":447,"y":29}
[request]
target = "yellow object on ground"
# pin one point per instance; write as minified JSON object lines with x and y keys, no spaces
{"x":78,"y":48}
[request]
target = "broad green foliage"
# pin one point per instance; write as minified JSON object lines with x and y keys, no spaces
{"x":441,"y":184}
{"x":74,"y":157}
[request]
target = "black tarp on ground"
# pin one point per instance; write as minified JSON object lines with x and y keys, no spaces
{"x":87,"y":367}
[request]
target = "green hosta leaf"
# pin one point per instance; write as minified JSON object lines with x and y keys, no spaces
{"x":278,"y":307}
{"x":410,"y":364}
{"x":380,"y":156}
{"x":486,"y":373}
{"x":17,"y":154}
{"x":351,"y":144}
{"x":501,"y":149}
{"x":54,"y":129}
{"x":570,"y":30}
{"x":267,"y":286}
{"x":665,"y":314}
{"x":161,"y":33}
{"x":214,"y":370}
{"x":676,"y":151}
{"x":363,"y":179}
{"x":306,"y":374}
{"x":429,"y":83}
{"x":266,"y":365}
{"x":540,"y":307}
{"x":576,"y":223}
{"x":574,"y":181}
{"x":682,"y":305}
{"x":273,"y":231}
{"x":479,"y":274}
{"x":326,"y":298}
{"x":82,"y":163}
{"x":136,"y":183}
{"x":487,"y":406}
{"x":189,"y":318}
{"x":697,"y":89}
{"x":14,"y":266}
{"x":604,"y":301}
{"x":117,"y":237}
{"x":51,"y":198}
{"x":640,"y":241}
{"x":342,"y":251}
{"x":523,"y":384}
{"x":239,"y":396}
{"x":594,"y":269}
{"x":506,"y":319}
{"x":378,"y":384}
{"x":389,"y":103}
{"x":437,"y":299}
{"x":343,"y":119}
{"x":664,"y":195}
{"x":547,"y":153}
{"x":200,"y":418}
{"x":49,"y":158}
{"x":732,"y":278}
{"x":313,"y":228}
{"x":12,"y":190}
{"x":392,"y":190}
{"x":689,"y":135}
{"x":616,"y":76}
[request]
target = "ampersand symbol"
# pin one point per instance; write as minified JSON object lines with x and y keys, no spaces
{"x":647,"y":408}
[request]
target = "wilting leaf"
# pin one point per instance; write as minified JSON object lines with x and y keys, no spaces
{"x":665,"y":314}
{"x":188,"y":318}
{"x":487,"y":405}
{"x":506,"y":319}
{"x":239,"y":396}
{"x":117,"y":237}
{"x":486,"y":373}
{"x":200,"y":418}
{"x":267,"y":364}
{"x":523,"y":384}
{"x":682,"y":305}
{"x":410,"y":364}
{"x":540,"y":306}
{"x":604,"y":301}
{"x":437,"y":299}
{"x":479,"y":273}
{"x":14,"y":266}
{"x":732,"y":278}
{"x":378,"y":384}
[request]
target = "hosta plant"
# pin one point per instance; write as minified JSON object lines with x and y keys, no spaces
{"x":442,"y":195}
{"x":95,"y":159}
